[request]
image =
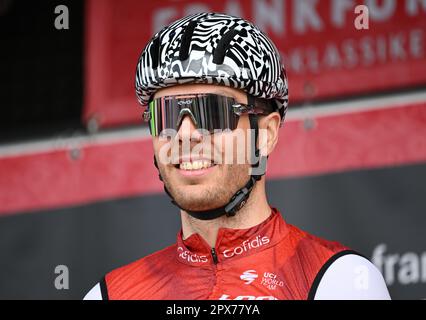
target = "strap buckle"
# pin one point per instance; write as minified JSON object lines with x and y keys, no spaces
{"x":240,"y":198}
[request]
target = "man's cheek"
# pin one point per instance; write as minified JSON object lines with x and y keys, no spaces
{"x":225,"y":149}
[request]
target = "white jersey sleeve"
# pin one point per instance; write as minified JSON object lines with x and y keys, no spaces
{"x":94,"y":293}
{"x":351,"y":277}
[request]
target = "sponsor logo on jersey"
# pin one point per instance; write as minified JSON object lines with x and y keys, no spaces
{"x":247,"y":245}
{"x":249,"y":276}
{"x":191,"y":257}
{"x":229,"y":297}
{"x":271,"y":281}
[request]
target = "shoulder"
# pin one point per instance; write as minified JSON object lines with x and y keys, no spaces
{"x":349,"y":276}
{"x":335,"y":271}
{"x":138,"y":271}
{"x":313,"y":249}
{"x":139,"y":266}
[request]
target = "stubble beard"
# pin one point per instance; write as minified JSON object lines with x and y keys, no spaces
{"x":212,"y":195}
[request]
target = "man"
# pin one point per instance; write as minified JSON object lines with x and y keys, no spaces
{"x":209,"y":79}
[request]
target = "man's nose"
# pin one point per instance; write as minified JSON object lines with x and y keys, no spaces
{"x":188,"y":129}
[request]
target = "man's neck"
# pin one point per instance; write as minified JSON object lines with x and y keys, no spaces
{"x":254,"y":212}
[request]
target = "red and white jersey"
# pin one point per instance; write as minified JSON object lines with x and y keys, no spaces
{"x":273,"y":260}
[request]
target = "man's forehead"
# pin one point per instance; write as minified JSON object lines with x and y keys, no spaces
{"x":198,"y":88}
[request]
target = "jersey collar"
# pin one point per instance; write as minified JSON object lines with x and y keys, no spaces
{"x":232,"y":243}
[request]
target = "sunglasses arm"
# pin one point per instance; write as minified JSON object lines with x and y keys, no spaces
{"x":240,"y":108}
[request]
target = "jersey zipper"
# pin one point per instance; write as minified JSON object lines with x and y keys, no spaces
{"x":214,"y":289}
{"x":214,"y":256}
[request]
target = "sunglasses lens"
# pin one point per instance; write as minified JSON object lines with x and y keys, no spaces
{"x":208,"y":112}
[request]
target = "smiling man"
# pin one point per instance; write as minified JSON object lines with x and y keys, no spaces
{"x":211,"y":81}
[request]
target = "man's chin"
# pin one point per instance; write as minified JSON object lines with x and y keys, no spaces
{"x":193,"y":199}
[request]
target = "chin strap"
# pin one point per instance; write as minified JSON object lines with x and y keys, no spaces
{"x":239,"y":199}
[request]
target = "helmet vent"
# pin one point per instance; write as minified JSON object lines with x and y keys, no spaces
{"x":154,"y":51}
{"x":186,"y":40}
{"x":223,"y":45}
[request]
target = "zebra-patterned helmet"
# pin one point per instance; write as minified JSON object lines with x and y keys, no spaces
{"x":212,"y":48}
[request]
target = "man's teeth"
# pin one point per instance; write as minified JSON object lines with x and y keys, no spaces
{"x":195,"y":165}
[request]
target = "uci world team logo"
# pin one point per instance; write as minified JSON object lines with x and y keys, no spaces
{"x":249,"y":276}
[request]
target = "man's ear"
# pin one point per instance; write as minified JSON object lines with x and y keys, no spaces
{"x":268,"y":132}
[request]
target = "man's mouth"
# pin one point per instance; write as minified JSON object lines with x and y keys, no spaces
{"x":188,"y":166}
{"x":195,"y":165}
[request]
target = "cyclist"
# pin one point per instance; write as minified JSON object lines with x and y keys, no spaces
{"x":219,"y":75}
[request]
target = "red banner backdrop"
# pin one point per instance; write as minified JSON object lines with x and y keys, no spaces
{"x":326,"y":55}
{"x":121,"y":168}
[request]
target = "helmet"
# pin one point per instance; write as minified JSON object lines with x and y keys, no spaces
{"x":213,"y":48}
